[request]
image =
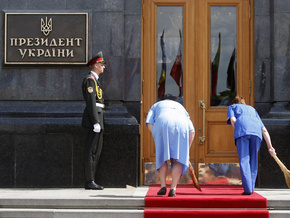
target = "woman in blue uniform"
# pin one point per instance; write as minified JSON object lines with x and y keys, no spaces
{"x":249,"y":132}
{"x":173,"y":133}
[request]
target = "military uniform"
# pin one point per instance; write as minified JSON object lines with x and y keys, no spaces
{"x":93,"y":114}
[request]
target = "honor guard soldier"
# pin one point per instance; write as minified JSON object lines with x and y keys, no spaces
{"x":93,"y":119}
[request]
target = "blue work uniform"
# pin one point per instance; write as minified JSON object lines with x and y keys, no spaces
{"x":248,"y":137}
{"x":171,"y":126}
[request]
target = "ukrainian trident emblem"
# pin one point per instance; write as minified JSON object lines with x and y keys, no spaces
{"x":46,"y":26}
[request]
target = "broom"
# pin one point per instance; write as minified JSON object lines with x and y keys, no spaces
{"x":195,"y":181}
{"x":284,"y":170}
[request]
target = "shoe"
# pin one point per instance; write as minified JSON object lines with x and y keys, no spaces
{"x":246,"y":193}
{"x":171,"y":193}
{"x":92,"y":185}
{"x":162,"y":191}
{"x":90,"y":169}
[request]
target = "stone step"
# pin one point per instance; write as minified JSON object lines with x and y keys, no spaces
{"x":70,"y":213}
{"x":103,"y":203}
{"x":277,"y":199}
{"x":96,"y":213}
{"x":279,"y":213}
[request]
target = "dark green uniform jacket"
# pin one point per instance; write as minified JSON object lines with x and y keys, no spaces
{"x":93,"y":94}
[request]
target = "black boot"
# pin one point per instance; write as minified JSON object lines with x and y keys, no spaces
{"x":90,"y":169}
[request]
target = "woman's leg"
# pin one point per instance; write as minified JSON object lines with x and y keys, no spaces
{"x":162,"y":174}
{"x":255,"y":144}
{"x":244,"y":158}
{"x":176,"y":173}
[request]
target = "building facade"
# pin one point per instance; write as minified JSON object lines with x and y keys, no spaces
{"x":41,"y":105}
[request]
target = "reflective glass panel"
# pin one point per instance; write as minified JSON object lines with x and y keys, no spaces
{"x":169,"y":68}
{"x":223,"y":39}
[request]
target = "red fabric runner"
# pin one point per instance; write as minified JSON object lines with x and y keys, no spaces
{"x":205,"y":213}
{"x":213,"y":201}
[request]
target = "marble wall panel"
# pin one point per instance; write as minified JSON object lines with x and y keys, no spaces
{"x":118,"y":164}
{"x":281,"y":34}
{"x":262,"y":37}
{"x":270,"y":172}
{"x":43,"y":160}
{"x":133,"y":7}
{"x":263,"y":81}
{"x":281,"y":6}
{"x":262,"y":7}
{"x":7,"y":167}
{"x":282,"y":79}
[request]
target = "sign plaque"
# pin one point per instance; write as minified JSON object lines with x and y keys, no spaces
{"x":46,"y":38}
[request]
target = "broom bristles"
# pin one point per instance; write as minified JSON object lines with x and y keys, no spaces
{"x":195,"y":181}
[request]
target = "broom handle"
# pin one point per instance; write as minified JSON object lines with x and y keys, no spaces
{"x":282,"y":166}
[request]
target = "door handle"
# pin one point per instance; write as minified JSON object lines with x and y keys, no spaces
{"x":201,"y":139}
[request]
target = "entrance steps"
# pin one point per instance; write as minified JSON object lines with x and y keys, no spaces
{"x":72,"y":203}
{"x":108,"y":203}
{"x":278,"y":201}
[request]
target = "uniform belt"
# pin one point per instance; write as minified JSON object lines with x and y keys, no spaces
{"x":100,"y":105}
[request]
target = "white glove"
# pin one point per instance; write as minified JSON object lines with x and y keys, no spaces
{"x":97,"y":127}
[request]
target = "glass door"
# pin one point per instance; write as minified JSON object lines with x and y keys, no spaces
{"x":169,"y":52}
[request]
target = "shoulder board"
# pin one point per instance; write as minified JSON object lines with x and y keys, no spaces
{"x":91,"y":77}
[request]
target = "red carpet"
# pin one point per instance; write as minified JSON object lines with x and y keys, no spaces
{"x":213,"y":201}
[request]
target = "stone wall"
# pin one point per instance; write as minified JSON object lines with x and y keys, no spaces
{"x":272,"y":90}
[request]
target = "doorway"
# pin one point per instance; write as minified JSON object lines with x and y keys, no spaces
{"x":200,"y":53}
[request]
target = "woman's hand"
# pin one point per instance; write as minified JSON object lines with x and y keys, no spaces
{"x":272,"y":151}
{"x":150,"y":126}
{"x":233,"y":121}
{"x":191,"y":137}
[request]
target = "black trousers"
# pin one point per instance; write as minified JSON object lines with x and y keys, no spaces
{"x":93,"y":145}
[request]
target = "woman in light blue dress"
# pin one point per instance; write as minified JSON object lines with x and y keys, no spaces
{"x":249,"y":132}
{"x":173,"y":133}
